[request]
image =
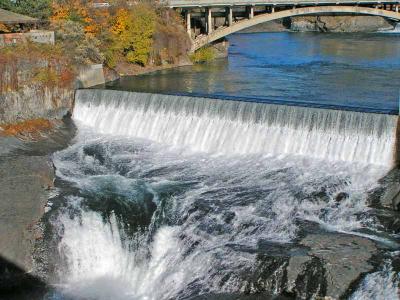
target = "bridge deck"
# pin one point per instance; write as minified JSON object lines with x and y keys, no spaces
{"x":216,"y":3}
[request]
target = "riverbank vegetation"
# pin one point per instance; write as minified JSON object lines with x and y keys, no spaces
{"x":203,"y":55}
{"x":125,"y":34}
{"x":38,"y":80}
{"x":34,"y":65}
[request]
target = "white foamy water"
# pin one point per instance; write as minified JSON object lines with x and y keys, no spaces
{"x":158,"y":222}
{"x":383,"y":284}
{"x":234,"y":127}
{"x":101,"y":263}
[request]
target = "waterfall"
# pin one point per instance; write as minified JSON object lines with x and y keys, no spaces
{"x":236,"y":127}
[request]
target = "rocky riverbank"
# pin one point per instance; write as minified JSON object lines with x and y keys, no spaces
{"x":340,"y":24}
{"x":26,"y":180}
{"x":327,"y":23}
{"x":30,"y":103}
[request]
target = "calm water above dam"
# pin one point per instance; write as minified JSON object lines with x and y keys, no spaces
{"x":361,"y":71}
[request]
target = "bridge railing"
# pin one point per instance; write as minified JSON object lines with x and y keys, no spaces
{"x":215,"y":3}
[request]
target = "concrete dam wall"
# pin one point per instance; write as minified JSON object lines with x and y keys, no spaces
{"x":236,"y":127}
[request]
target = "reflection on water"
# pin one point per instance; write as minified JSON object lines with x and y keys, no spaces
{"x":356,"y":70}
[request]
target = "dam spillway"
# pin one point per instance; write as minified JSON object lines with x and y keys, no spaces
{"x":236,"y":127}
{"x":251,"y":206}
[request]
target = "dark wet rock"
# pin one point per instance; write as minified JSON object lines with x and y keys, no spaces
{"x":229,"y":216}
{"x":96,"y":151}
{"x":341,"y":196}
{"x":396,"y":264}
{"x":322,"y":194}
{"x":345,"y":258}
{"x":270,"y":275}
{"x":311,"y":279}
{"x":292,"y":272}
{"x":387,"y":194}
{"x":389,"y":219}
{"x":321,"y":265}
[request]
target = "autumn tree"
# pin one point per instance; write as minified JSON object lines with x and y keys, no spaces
{"x":76,"y":11}
{"x":132,"y":32}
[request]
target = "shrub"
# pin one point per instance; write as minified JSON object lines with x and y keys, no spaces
{"x":81,"y":47}
{"x":46,"y":76}
{"x":41,"y":9}
{"x":202,"y":55}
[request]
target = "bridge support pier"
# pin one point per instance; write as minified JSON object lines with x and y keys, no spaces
{"x":229,"y":15}
{"x":209,"y":25}
{"x":188,"y":17}
{"x":250,"y":11}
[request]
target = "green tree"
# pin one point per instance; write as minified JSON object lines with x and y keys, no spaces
{"x":7,"y":4}
{"x":40,"y":9}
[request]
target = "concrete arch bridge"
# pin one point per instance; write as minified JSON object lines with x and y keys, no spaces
{"x":242,"y":14}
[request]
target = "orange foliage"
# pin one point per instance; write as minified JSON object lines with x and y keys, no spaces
{"x":4,"y":28}
{"x":31,"y":128}
{"x":121,"y":21}
{"x":81,"y":10}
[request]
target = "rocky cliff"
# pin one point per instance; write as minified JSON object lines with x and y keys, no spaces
{"x":340,"y":23}
{"x":34,"y":88}
{"x":331,"y":23}
{"x":29,"y":103}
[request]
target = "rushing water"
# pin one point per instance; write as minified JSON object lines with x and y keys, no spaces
{"x":181,"y":197}
{"x":237,"y":127}
{"x":361,"y":71}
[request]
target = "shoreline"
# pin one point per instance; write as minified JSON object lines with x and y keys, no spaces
{"x":27,"y":179}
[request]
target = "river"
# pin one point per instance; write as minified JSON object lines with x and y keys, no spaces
{"x":359,"y":71}
{"x":218,"y":191}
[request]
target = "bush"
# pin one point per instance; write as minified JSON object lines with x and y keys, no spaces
{"x":82,"y":48}
{"x":40,"y":9}
{"x":202,"y":55}
{"x":46,"y":76}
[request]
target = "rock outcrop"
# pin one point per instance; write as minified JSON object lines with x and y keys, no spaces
{"x":30,"y":103}
{"x":26,"y":181}
{"x":340,"y":23}
{"x":321,"y":265}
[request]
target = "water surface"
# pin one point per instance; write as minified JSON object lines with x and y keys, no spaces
{"x":358,"y":71}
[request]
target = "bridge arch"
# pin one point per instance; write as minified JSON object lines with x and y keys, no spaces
{"x":224,"y":31}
